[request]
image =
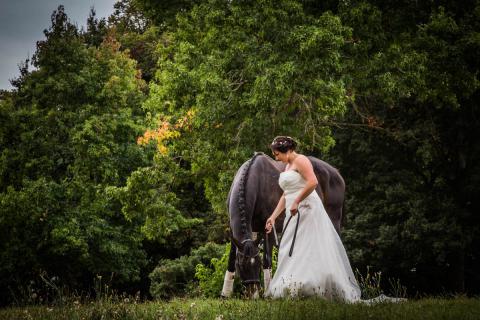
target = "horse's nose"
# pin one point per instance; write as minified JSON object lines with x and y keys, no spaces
{"x":252,"y":289}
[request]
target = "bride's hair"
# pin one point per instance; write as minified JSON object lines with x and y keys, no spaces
{"x":283,"y":144}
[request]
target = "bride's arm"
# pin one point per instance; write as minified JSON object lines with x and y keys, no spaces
{"x":305,"y":168}
{"x":278,"y":210}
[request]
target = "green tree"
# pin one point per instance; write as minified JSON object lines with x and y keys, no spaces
{"x":244,"y":72}
{"x":411,"y":169}
{"x":96,"y":29}
{"x":70,"y":139}
{"x":137,"y":34}
{"x":163,"y":13}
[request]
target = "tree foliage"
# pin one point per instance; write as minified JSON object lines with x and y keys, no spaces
{"x":69,"y":149}
{"x":412,"y":174}
{"x":247,"y":71}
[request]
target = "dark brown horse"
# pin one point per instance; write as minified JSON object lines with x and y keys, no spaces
{"x":253,"y":196}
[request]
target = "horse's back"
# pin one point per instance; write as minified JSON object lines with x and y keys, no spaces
{"x":331,"y":188}
{"x":255,"y":192}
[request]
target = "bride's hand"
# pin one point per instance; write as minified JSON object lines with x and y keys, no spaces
{"x":294,"y":209}
{"x":270,"y":224}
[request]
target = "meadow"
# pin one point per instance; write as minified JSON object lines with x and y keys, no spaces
{"x":218,"y":309}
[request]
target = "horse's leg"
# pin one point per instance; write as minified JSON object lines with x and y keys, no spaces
{"x":230,"y":273}
{"x":267,"y":260}
{"x":336,"y":216}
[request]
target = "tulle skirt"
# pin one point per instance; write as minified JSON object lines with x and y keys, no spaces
{"x":319,"y":265}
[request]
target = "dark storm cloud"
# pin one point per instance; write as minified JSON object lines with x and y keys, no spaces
{"x":22,"y":23}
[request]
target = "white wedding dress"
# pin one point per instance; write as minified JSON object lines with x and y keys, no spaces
{"x":319,"y":265}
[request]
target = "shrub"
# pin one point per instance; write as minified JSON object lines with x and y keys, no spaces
{"x":210,"y":276}
{"x":177,"y":277}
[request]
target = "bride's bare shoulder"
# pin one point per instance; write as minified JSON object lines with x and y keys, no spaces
{"x":302,"y":159}
{"x":303,"y":163}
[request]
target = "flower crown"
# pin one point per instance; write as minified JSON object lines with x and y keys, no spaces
{"x":281,"y":142}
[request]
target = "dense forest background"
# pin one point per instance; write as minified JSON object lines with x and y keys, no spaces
{"x":118,"y":143}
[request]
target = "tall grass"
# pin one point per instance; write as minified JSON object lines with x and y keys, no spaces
{"x":216,"y":309}
{"x":107,"y":304}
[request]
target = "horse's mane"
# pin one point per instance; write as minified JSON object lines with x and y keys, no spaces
{"x":242,"y":191}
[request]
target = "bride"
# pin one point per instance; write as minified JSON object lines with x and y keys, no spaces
{"x":311,"y":260}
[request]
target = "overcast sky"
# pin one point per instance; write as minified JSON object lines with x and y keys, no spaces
{"x":22,"y":23}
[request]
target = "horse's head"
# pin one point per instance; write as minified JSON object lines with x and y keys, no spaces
{"x":248,"y":263}
{"x":254,"y":194}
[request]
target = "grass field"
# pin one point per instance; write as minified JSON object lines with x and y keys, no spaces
{"x":216,"y":309}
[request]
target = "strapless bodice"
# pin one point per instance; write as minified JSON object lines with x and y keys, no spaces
{"x":291,"y":182}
